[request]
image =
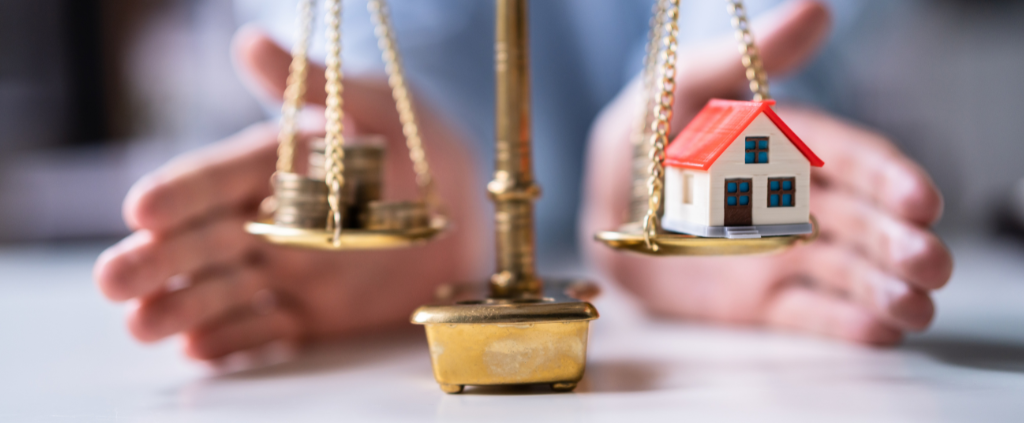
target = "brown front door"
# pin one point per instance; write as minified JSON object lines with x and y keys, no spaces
{"x":738,"y":200}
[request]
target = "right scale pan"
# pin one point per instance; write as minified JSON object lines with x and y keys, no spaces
{"x":736,"y":180}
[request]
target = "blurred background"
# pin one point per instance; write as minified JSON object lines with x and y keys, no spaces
{"x":95,"y":93}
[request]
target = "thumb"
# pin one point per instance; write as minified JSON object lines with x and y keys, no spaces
{"x":788,"y":36}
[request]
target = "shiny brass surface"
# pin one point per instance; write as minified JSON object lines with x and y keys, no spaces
{"x":489,"y":341}
{"x":451,"y":389}
{"x":630,"y":237}
{"x":403,"y":101}
{"x":490,"y":310}
{"x":661,"y":126}
{"x":505,"y":354}
{"x":522,"y":331}
{"x":295,"y":92}
{"x":351,"y":239}
{"x":639,"y":199}
{"x":334,"y":114}
{"x":751,"y":58}
{"x":563,"y":386}
{"x":513,"y":189}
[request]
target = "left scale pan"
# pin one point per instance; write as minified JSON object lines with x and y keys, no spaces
{"x":336,"y":204}
{"x":365,"y":239}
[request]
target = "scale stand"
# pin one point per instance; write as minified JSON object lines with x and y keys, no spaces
{"x":524,"y":330}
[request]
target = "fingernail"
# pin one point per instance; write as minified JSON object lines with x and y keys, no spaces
{"x":898,"y":302}
{"x":235,"y":362}
{"x":132,"y":258}
{"x":178,"y":282}
{"x":892,"y":290}
{"x":273,"y":353}
{"x":909,"y":247}
{"x":278,"y":352}
{"x":131,"y":307}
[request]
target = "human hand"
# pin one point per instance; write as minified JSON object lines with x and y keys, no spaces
{"x":230,"y":291}
{"x":866,"y":279}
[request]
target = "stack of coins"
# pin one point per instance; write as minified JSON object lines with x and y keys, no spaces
{"x":398,"y":216}
{"x":364,"y":170}
{"x":301,"y":202}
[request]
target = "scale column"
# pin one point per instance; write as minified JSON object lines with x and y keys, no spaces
{"x":513,"y":189}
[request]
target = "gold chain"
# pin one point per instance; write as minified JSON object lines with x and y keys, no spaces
{"x":641,"y":147}
{"x":650,"y":68}
{"x":403,"y":99}
{"x":335,"y":152}
{"x":751,"y":56}
{"x":661,"y":127}
{"x":295,"y":91}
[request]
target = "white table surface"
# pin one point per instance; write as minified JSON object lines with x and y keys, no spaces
{"x":66,"y":357}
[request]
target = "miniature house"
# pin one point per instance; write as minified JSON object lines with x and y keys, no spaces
{"x":737,"y":171}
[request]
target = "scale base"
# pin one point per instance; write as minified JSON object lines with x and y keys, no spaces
{"x":509,"y":341}
{"x":630,"y":237}
{"x":351,"y":239}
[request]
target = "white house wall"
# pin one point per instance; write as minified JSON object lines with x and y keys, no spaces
{"x":784,"y":160}
{"x":674,"y":206}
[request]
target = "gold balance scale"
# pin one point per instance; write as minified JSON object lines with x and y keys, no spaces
{"x":520,"y":329}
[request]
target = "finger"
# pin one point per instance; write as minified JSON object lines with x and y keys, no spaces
{"x":240,"y":332}
{"x":802,"y":309}
{"x":229,"y":175}
{"x":211,"y":296}
{"x":266,"y":65}
{"x":143,"y":262}
{"x":787,"y":38}
{"x":908,"y":251}
{"x":843,"y":272}
{"x":367,"y":102}
{"x":868,"y":164}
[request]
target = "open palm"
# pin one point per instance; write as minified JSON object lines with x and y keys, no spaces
{"x":194,"y":271}
{"x":866,"y":279}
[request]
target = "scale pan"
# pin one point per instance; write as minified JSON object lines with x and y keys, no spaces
{"x":630,"y":237}
{"x":351,"y":239}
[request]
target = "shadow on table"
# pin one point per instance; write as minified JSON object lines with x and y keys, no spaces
{"x":624,"y":376}
{"x":355,"y":352}
{"x":984,"y":354}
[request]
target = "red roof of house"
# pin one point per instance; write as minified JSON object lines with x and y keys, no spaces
{"x":717,"y":126}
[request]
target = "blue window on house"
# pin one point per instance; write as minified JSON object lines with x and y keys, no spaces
{"x":756,"y":150}
{"x":781,"y":192}
{"x":731,"y":201}
{"x":744,"y":200}
{"x":731,"y":187}
{"x":744,"y":187}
